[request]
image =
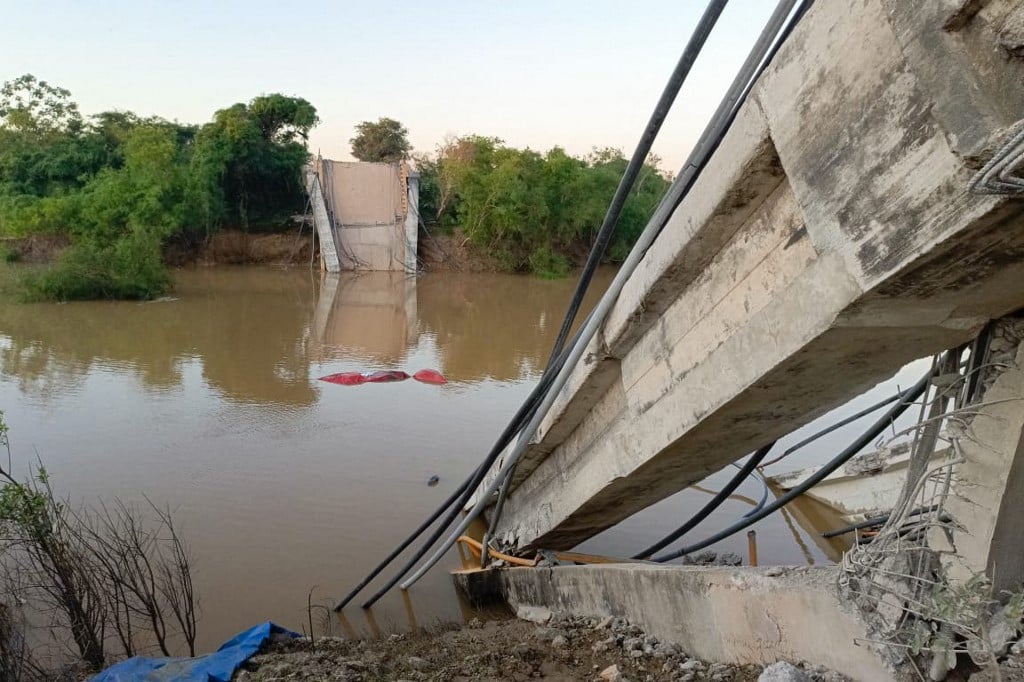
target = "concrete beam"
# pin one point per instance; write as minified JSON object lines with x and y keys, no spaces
{"x":830,"y":240}
{"x":738,"y":616}
{"x":322,"y":222}
{"x":988,"y":491}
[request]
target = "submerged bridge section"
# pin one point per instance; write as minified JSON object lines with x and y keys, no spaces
{"x":365,"y":214}
{"x":833,"y":237}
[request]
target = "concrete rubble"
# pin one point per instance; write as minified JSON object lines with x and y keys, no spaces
{"x":564,"y":648}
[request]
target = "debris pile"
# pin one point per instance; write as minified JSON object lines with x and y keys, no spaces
{"x":561,"y":648}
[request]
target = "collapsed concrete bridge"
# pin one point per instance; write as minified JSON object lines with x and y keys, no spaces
{"x":844,"y":227}
{"x":864,"y":209}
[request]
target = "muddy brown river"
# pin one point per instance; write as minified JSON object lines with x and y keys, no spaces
{"x":208,"y":402}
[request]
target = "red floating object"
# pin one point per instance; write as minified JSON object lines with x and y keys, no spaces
{"x":429,"y":376}
{"x":345,"y":378}
{"x":384,"y":376}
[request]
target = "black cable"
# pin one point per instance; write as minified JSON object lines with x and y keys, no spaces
{"x":636,"y":164}
{"x":401,"y":548}
{"x":604,"y":235}
{"x":906,"y":399}
{"x":522,"y":416}
{"x":711,"y":506}
{"x":875,"y":521}
{"x":526,"y":410}
{"x":832,"y":427}
{"x":703,"y":513}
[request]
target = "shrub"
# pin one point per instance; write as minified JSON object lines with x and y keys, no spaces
{"x":129,"y":268}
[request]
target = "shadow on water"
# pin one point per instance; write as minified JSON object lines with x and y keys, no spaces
{"x":256,"y":331}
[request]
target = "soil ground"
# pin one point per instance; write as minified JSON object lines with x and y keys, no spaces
{"x":440,"y":252}
{"x":230,"y":247}
{"x":561,"y":650}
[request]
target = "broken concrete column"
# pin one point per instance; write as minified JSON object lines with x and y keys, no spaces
{"x":987,"y":499}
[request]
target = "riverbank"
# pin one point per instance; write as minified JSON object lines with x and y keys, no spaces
{"x":229,"y":247}
{"x":562,"y":649}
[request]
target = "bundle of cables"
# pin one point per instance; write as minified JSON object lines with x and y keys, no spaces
{"x":567,"y":352}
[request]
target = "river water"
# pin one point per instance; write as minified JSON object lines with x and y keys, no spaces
{"x":208,"y":402}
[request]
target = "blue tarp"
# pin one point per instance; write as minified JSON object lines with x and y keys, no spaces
{"x":216,"y":667}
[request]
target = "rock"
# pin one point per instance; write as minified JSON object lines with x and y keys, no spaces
{"x":605,"y":623}
{"x":783,"y":672}
{"x":548,"y":634}
{"x":523,"y":650}
{"x":1018,"y":647}
{"x":283,"y":669}
{"x":775,"y":571}
{"x":1001,"y":633}
{"x":729,"y":559}
{"x":704,"y":558}
{"x":721,"y":672}
{"x":559,"y":642}
{"x":636,"y":653}
{"x":534,"y":614}
{"x":632,"y":643}
{"x":832,"y":676}
{"x":612,"y":674}
{"x":417,"y":663}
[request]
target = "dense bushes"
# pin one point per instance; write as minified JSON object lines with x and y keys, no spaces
{"x":535,"y":212}
{"x":120,"y":185}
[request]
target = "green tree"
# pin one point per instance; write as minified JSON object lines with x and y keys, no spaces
{"x":247,"y":168}
{"x":384,"y":140}
{"x":536,"y":213}
{"x":30,"y":105}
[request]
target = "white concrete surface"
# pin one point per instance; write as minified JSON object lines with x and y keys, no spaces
{"x":729,"y":615}
{"x":831,"y":240}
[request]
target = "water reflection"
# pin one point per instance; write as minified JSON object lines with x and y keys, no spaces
{"x":366,"y":315}
{"x":257,"y":331}
{"x":209,"y":403}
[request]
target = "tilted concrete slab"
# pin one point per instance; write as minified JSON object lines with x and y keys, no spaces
{"x":727,"y":615}
{"x":830,"y":240}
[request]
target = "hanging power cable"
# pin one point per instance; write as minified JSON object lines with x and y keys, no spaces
{"x":906,"y":399}
{"x":753,"y":470}
{"x":716,"y":130}
{"x":712,"y":505}
{"x":554,"y":377}
{"x":760,"y":56}
{"x":636,"y":164}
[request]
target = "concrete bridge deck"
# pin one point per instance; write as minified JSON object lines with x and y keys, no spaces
{"x":831,"y":239}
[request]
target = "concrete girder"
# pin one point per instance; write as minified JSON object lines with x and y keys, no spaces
{"x":830,"y":240}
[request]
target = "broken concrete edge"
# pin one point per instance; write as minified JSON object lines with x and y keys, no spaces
{"x":724,"y":615}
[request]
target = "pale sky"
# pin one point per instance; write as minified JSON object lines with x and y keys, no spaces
{"x":536,"y":74}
